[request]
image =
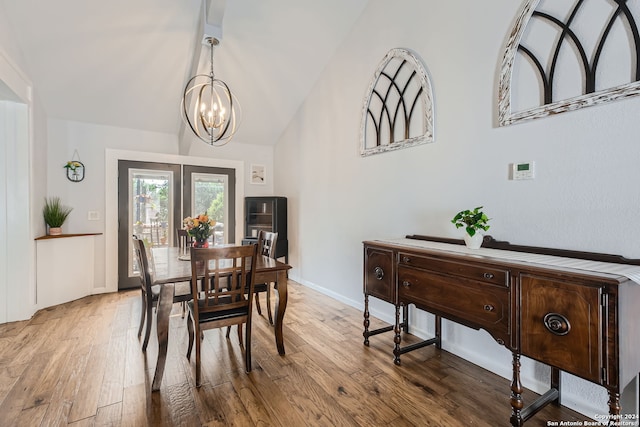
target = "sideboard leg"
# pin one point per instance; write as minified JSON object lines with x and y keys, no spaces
{"x":405,"y":318}
{"x":516,"y":393}
{"x":614,"y":404}
{"x":438,"y":332}
{"x":555,"y":383}
{"x":397,"y":338}
{"x":366,"y":320}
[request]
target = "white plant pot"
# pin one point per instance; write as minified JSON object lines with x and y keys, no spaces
{"x":473,"y":242}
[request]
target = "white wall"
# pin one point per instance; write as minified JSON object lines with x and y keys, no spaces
{"x":22,"y":145}
{"x":585,"y":195}
{"x":93,"y":143}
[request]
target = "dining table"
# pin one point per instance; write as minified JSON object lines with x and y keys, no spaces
{"x":172,"y":266}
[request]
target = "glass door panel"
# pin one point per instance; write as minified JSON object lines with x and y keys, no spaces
{"x":149,"y":214}
{"x":149,"y":196}
{"x":210,"y":194}
{"x":212,"y":191}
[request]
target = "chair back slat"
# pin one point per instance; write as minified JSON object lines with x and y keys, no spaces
{"x":145,"y":264}
{"x":226,"y":277}
{"x":267,"y":243}
{"x":183,"y":241}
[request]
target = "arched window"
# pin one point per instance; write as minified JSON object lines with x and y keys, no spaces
{"x":398,"y":108}
{"x":566,"y":55}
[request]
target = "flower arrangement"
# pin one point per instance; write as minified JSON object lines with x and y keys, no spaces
{"x":199,"y":227}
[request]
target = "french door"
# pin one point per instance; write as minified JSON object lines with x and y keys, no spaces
{"x":153,"y":198}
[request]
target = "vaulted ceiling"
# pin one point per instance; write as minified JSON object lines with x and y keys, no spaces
{"x":124,"y":63}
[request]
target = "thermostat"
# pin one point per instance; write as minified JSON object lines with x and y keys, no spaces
{"x":524,"y":170}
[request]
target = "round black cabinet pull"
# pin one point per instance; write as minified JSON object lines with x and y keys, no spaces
{"x":406,"y":284}
{"x":406,"y":259}
{"x":487,"y":276}
{"x":488,"y":307}
{"x":379,"y":273}
{"x":557,"y":324}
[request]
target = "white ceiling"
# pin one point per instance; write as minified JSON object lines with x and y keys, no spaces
{"x":125,"y":62}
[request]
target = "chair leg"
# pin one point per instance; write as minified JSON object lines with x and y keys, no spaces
{"x":191,"y":334}
{"x":228,"y":331}
{"x":240,"y":333}
{"x":184,"y":308}
{"x":143,"y":312}
{"x":147,"y":331}
{"x":247,"y":348}
{"x":258,"y":304}
{"x":269,"y":303}
{"x":198,"y":345}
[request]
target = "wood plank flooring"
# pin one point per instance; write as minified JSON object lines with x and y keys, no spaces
{"x":81,"y":364}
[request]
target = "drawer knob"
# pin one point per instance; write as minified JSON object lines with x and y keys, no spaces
{"x":488,"y":276}
{"x":557,"y":324}
{"x":378,"y":272}
{"x":406,"y":284}
{"x":406,"y":259}
{"x":489,"y":307}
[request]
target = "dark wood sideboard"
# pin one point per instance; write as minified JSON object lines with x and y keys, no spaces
{"x":581,"y":322}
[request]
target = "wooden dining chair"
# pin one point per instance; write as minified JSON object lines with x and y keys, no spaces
{"x":222,"y":280}
{"x":183,"y":241}
{"x":266,"y":246}
{"x":150,"y":290}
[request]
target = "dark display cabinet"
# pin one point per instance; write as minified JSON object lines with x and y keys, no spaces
{"x":268,"y":214}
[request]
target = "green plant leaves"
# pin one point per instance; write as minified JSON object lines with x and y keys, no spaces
{"x":472,"y":220}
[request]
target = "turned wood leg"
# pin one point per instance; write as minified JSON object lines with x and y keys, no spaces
{"x":516,"y":393}
{"x":614,"y":404}
{"x":165,"y":302}
{"x":397,"y":337}
{"x":281,"y":307}
{"x":366,"y":322}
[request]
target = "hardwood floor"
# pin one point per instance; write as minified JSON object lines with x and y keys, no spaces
{"x":81,"y":364}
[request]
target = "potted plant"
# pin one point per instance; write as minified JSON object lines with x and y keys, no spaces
{"x":55,"y":214}
{"x":472,"y":221}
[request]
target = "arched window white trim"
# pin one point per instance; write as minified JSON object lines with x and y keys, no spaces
{"x":398,"y":108}
{"x":619,"y":13}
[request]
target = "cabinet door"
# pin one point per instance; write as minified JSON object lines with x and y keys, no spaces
{"x":378,"y":274}
{"x":562,"y":324}
{"x":259,"y":215}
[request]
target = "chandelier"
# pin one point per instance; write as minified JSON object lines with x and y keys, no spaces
{"x":209,"y":108}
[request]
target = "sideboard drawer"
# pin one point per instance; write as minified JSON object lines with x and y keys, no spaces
{"x":481,"y":273}
{"x":562,"y":325}
{"x":475,"y":304}
{"x":379,"y":274}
